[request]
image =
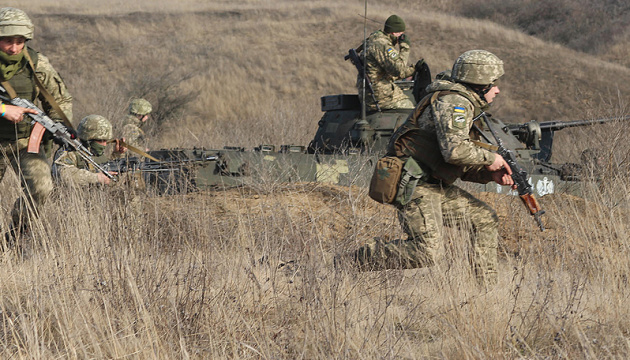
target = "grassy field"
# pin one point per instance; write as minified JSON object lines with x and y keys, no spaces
{"x":248,"y":272}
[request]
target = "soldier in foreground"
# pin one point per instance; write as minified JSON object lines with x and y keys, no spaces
{"x":132,"y":133}
{"x":385,"y":64}
{"x":95,"y":132}
{"x":436,"y":137}
{"x":27,"y":74}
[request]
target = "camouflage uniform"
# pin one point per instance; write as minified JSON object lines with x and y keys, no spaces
{"x":132,"y":125}
{"x":33,"y":169}
{"x":384,"y":65}
{"x":70,"y":167}
{"x":436,"y":135}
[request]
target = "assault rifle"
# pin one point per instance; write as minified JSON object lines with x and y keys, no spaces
{"x":133,"y":164}
{"x":42,"y":123}
{"x":358,"y":63}
{"x":519,"y":175}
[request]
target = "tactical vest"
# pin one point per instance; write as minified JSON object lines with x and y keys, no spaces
{"x":23,"y":82}
{"x":426,"y":149}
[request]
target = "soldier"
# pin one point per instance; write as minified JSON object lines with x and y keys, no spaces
{"x":132,"y":133}
{"x":385,"y":64}
{"x":28,"y":74}
{"x":436,"y":136}
{"x":95,"y":132}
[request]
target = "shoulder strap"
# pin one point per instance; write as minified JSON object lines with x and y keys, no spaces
{"x":9,"y":89}
{"x":49,"y":98}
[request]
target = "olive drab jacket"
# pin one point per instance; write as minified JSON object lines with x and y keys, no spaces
{"x":437,"y":136}
{"x":384,"y":65}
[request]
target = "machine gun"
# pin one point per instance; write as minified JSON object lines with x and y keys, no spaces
{"x":519,"y":175}
{"x":539,"y":136}
{"x":60,"y":133}
{"x":358,"y":63}
{"x":133,"y":164}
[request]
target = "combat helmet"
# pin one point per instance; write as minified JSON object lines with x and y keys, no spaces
{"x":94,"y":127}
{"x":140,"y":107}
{"x":477,"y":67}
{"x":15,"y":22}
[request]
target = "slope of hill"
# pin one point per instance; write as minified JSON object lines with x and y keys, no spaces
{"x":253,"y":73}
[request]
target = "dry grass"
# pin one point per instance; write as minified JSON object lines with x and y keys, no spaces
{"x":247,"y":272}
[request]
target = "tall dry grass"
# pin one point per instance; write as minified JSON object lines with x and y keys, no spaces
{"x":247,"y":272}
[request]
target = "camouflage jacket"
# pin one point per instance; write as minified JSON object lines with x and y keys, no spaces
{"x":384,"y":65}
{"x":437,"y":136}
{"x":55,"y":85}
{"x":132,"y":132}
{"x":71,"y":168}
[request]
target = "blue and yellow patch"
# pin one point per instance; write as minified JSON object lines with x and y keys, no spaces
{"x":391,"y":52}
{"x":459,"y":117}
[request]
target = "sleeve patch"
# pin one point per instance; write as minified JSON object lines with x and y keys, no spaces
{"x":391,"y":52}
{"x":459,"y":117}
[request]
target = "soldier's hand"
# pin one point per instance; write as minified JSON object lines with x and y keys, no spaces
{"x":118,"y":146}
{"x":498,"y":164}
{"x":501,"y":177}
{"x":15,"y":114}
{"x":104,"y":179}
{"x":404,"y":39}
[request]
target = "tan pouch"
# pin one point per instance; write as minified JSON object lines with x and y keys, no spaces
{"x":385,"y":180}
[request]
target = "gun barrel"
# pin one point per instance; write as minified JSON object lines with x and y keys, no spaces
{"x":559,"y":125}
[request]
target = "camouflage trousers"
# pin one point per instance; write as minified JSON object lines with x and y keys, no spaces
{"x":393,"y":98}
{"x":35,"y":177}
{"x":432,"y":207}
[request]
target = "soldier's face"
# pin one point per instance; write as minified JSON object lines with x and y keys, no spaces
{"x":12,"y":45}
{"x":489,"y":96}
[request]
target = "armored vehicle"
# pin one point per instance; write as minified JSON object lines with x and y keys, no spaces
{"x":345,"y":147}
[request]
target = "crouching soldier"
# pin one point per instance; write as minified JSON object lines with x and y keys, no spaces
{"x":95,"y":132}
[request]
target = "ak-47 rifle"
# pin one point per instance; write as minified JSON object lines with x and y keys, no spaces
{"x":60,"y":133}
{"x":133,"y":164}
{"x":358,"y":63}
{"x":519,"y":175}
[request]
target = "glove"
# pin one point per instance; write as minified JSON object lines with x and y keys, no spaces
{"x":419,"y":65}
{"x":403,"y":38}
{"x":73,"y":133}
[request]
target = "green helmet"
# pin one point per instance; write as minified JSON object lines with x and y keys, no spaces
{"x":94,"y":127}
{"x":140,"y":107}
{"x":15,"y":22}
{"x":477,"y":67}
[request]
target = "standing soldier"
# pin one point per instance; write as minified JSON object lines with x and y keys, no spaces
{"x":132,"y":133}
{"x":27,"y":74}
{"x":436,"y":137}
{"x":385,"y":64}
{"x":95,"y":132}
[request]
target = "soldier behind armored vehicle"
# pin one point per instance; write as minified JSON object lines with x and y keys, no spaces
{"x":137,"y":116}
{"x":436,"y":137}
{"x":385,"y":64}
{"x":27,"y":74}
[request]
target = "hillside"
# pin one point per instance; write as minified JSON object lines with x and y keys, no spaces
{"x":247,"y":272}
{"x":253,"y":73}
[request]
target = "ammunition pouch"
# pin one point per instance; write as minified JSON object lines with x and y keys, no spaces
{"x":385,"y":180}
{"x":395,"y":179}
